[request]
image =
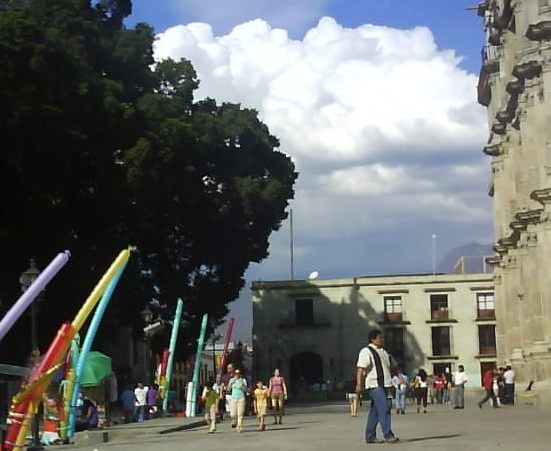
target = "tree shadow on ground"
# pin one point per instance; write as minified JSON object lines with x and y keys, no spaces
{"x":432,"y":437}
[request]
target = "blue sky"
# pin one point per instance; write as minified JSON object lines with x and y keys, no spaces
{"x":379,"y":115}
{"x":453,"y":26}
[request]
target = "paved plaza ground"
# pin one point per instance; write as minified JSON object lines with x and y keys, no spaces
{"x":328,"y":426}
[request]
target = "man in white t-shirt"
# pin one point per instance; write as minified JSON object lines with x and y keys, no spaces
{"x":459,"y":381}
{"x":140,"y":395}
{"x":373,"y":373}
{"x":509,"y":380}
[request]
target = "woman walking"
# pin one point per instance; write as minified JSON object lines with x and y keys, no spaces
{"x":421,"y":390}
{"x":238,"y":387}
{"x":277,"y":391}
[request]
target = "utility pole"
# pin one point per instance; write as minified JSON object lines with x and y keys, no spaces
{"x":292,"y":246}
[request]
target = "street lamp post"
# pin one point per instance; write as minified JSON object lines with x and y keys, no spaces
{"x":26,"y":279}
{"x":215,"y":338}
{"x":147,"y":316}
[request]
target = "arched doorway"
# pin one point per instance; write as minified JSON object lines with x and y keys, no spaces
{"x":306,"y":367}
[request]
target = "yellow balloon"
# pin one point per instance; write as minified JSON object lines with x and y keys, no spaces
{"x":99,"y":289}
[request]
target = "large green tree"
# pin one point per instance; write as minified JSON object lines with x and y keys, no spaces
{"x":100,"y":148}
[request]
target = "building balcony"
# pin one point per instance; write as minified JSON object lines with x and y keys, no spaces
{"x":490,"y":65}
{"x":442,"y":350}
{"x":487,"y":351}
{"x":393,"y":317}
{"x":443,"y":357}
{"x":396,"y":319}
{"x":317,"y":322}
{"x":484,"y":90}
{"x":440,"y":316}
{"x":486,"y":314}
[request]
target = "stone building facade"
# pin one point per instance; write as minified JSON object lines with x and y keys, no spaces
{"x":515,"y":86}
{"x":313,"y":330}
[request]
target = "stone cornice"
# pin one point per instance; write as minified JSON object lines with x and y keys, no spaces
{"x":499,"y":128}
{"x":543,"y":196}
{"x":515,"y":86}
{"x":518,"y":225}
{"x":493,"y":150}
{"x":500,"y":249}
{"x":509,"y":242}
{"x":527,"y":70}
{"x":505,"y":116}
{"x":529,"y":216}
{"x":493,"y":260}
{"x":539,"y":31}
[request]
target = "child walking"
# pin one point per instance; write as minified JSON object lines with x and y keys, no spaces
{"x":210,"y":398}
{"x":260,"y":401}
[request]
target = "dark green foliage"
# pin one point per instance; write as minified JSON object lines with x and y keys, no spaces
{"x":99,"y":151}
{"x":237,"y":358}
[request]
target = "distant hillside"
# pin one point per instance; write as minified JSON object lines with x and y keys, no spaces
{"x":475,"y":265}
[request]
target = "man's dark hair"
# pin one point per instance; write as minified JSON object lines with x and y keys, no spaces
{"x":461,"y":367}
{"x":374,"y":334}
{"x":422,"y":374}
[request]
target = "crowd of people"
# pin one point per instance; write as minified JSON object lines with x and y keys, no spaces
{"x":425,"y":389}
{"x":140,"y":403}
{"x":378,"y":374}
{"x":231,"y":395}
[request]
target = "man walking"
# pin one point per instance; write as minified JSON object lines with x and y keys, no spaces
{"x":140,"y":395}
{"x":459,"y":381}
{"x":488,"y":381}
{"x":373,"y":373}
{"x":509,"y":379}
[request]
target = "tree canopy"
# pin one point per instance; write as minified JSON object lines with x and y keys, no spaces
{"x":102,"y":148}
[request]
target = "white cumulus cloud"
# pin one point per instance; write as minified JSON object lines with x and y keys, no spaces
{"x":372,"y":116}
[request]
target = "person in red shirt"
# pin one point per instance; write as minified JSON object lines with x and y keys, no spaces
{"x":438,"y":385}
{"x":488,"y":381}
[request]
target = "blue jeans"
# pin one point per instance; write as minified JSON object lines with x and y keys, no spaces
{"x":401,"y":400}
{"x":510,"y":393}
{"x":379,"y":412}
{"x":139,"y":413}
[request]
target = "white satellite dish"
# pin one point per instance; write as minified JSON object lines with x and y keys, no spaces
{"x":313,"y":275}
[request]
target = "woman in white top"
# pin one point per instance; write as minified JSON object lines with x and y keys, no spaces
{"x":421,"y":390}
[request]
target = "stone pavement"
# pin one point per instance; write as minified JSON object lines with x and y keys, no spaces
{"x":134,"y":431}
{"x":328,"y":426}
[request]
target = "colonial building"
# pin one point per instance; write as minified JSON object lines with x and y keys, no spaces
{"x":515,"y":86}
{"x":312,"y":330}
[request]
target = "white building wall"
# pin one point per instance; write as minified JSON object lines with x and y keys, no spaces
{"x":345,"y":310}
